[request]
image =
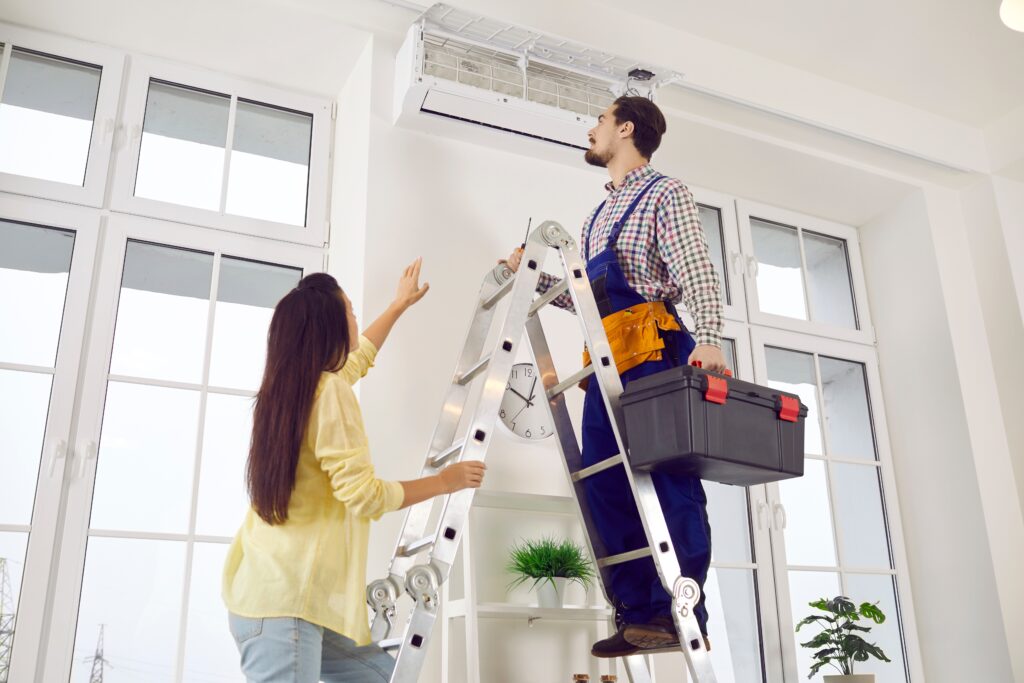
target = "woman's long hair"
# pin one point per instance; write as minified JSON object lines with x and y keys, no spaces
{"x":308,"y":335}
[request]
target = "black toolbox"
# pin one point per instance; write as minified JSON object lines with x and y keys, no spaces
{"x":690,"y":421}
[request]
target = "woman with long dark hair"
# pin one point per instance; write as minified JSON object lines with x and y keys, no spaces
{"x":295,"y":576}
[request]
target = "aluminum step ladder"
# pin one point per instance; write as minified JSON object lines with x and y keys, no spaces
{"x":423,"y":558}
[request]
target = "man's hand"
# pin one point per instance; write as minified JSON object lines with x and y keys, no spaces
{"x":514,"y":260}
{"x":708,"y":357}
{"x":409,"y":290}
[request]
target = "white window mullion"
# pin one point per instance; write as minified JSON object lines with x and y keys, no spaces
{"x":5,"y":62}
{"x":228,"y":145}
{"x":198,"y":455}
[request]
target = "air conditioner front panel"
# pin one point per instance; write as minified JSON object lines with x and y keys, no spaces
{"x":508,"y":114}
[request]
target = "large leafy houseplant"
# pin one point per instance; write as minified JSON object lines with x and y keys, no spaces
{"x":839,"y":643}
{"x":547,"y":559}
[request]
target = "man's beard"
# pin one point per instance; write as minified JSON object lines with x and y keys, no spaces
{"x":595,"y":158}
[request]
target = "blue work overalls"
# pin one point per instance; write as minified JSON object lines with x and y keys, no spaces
{"x":637,"y":593}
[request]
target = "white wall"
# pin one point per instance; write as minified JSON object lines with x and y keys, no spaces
{"x":932,"y":453}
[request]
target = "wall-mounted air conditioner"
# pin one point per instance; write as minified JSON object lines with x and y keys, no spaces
{"x":478,"y":73}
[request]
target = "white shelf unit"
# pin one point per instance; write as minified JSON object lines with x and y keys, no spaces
{"x":471,"y":610}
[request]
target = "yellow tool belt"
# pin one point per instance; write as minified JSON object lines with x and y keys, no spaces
{"x":633,"y":334}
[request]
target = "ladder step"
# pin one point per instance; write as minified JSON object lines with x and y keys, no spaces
{"x":607,"y":464}
{"x":468,"y":376}
{"x":548,"y":296}
{"x":415,"y":547}
{"x":561,"y":387}
{"x":624,"y":557}
{"x":392,"y":643}
{"x":497,"y":295}
{"x":447,"y":454}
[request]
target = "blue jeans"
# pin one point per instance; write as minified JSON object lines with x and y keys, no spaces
{"x":290,"y":650}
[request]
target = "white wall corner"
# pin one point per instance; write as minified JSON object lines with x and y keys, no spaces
{"x":976,"y":368}
{"x":1005,"y":141}
{"x":349,"y":190}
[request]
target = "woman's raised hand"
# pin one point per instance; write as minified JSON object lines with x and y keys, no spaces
{"x":409,"y":290}
{"x":463,"y":475}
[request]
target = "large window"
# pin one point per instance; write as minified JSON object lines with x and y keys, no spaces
{"x":209,"y":150}
{"x":58,"y":102}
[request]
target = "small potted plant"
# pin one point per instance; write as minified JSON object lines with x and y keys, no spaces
{"x":550,"y":564}
{"x":838,"y":644}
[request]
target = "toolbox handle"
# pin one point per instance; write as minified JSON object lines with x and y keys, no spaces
{"x":788,"y":407}
{"x":716,"y":389}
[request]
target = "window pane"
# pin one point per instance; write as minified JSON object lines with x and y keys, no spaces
{"x":860,"y":517}
{"x":733,"y":627}
{"x":222,"y":496}
{"x":132,"y":588}
{"x":846,"y":409}
{"x":34,"y":266}
{"x":806,"y":587}
{"x":46,"y":117}
{"x":246,"y":296}
{"x":793,"y":372}
{"x":184,"y":135}
{"x":809,"y":540}
{"x":162,"y":313}
{"x":146,"y":459}
{"x":711,"y":219}
{"x":780,"y":287}
{"x":729,"y":349}
{"x":730,"y":525}
{"x":210,"y":651}
{"x":269,"y":163}
{"x":24,"y":403}
{"x":875,"y":588}
{"x":12,"y":565}
{"x":828,"y":279}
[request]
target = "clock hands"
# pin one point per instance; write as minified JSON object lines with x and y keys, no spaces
{"x":513,"y":418}
{"x":529,"y":402}
{"x":531,"y":390}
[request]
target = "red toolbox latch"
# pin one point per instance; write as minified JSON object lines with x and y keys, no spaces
{"x":716,"y":389}
{"x":789,"y":408}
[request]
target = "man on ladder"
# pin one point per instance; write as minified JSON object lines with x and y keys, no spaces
{"x":645,"y":249}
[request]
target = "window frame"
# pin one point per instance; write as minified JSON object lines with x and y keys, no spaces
{"x":67,"y":588}
{"x":140,"y":70}
{"x":745,"y":210}
{"x":732,"y":256}
{"x":111,"y":62}
{"x":760,"y":338}
{"x":54,"y":469}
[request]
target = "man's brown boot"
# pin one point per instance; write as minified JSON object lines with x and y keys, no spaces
{"x":614,"y":646}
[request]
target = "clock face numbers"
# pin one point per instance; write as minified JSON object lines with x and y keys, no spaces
{"x":522,"y":408}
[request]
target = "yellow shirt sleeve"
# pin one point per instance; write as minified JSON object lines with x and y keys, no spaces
{"x":359,"y":362}
{"x":340,"y":447}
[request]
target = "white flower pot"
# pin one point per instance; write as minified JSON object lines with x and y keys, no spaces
{"x":851,"y":678}
{"x":549,"y":595}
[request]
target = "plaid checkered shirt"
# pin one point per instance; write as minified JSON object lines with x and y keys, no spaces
{"x":662,"y":250}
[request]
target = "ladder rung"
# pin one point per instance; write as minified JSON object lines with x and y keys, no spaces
{"x":468,"y":375}
{"x":580,"y":475}
{"x":624,"y":557}
{"x":447,"y":454}
{"x":571,"y":382}
{"x":496,"y":296}
{"x":393,"y":643}
{"x":548,"y":296}
{"x":415,"y":547}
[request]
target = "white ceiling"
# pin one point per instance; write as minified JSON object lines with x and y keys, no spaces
{"x":950,"y":57}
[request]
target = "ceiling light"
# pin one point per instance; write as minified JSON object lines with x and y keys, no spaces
{"x":1012,"y":14}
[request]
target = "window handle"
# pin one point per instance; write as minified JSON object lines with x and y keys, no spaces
{"x":752,"y":266}
{"x":761,"y":507}
{"x":737,"y":263}
{"x":776,"y":509}
{"x":59,"y":452}
{"x":83,"y":462}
